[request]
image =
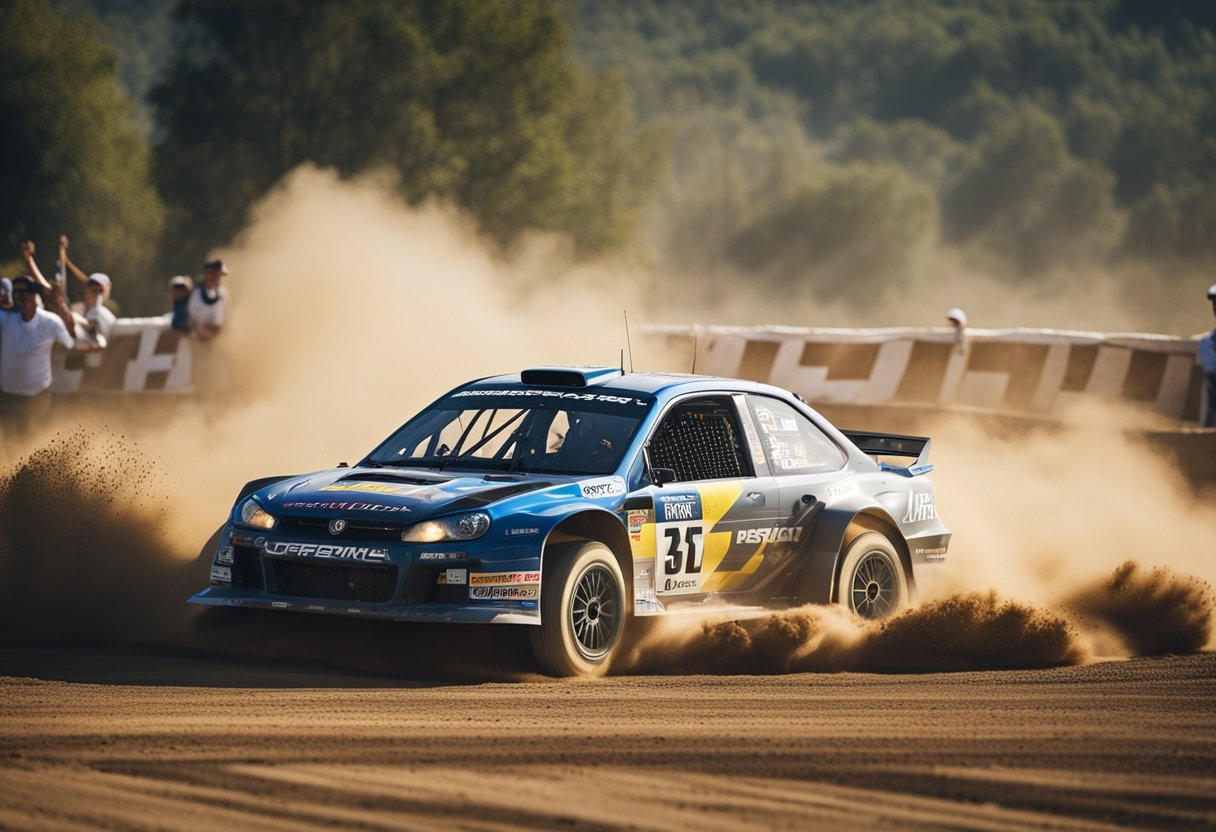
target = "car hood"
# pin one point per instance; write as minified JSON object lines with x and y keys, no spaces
{"x":404,"y":496}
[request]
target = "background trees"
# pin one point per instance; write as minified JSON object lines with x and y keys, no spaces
{"x":70,"y":158}
{"x":477,"y":103}
{"x":807,"y":143}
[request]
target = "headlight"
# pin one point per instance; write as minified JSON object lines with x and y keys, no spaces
{"x":252,"y":514}
{"x":460,"y":527}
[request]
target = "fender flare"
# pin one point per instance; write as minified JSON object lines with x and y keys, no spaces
{"x":590,"y":522}
{"x":835,"y":528}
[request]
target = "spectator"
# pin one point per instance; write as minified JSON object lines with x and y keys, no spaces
{"x":1207,"y":360}
{"x":6,"y":294}
{"x":179,"y":296}
{"x":26,"y":337}
{"x":98,"y":320}
{"x":957,"y":319}
{"x":208,"y":302}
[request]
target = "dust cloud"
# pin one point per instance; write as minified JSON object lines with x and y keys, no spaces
{"x":351,"y":311}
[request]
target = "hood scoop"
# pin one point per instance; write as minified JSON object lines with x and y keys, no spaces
{"x":407,"y":479}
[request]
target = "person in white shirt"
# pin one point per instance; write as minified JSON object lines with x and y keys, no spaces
{"x":208,"y":302}
{"x":27,"y":334}
{"x":98,"y":319}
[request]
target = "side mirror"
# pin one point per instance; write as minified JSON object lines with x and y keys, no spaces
{"x":662,"y":476}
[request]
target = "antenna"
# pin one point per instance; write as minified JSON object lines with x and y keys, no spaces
{"x":625,"y":312}
{"x":694,"y":350}
{"x":622,"y":361}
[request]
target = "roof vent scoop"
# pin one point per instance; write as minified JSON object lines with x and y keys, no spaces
{"x":567,"y":376}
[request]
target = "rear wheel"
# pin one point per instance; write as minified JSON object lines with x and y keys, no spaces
{"x":582,"y":611}
{"x":873,"y":583}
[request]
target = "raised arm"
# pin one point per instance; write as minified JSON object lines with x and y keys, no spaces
{"x":63,"y":256}
{"x":27,"y":255}
{"x":59,"y":303}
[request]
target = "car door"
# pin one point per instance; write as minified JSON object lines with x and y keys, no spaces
{"x":806,"y":463}
{"x":705,"y":520}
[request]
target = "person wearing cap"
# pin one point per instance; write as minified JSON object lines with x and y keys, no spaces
{"x":26,"y":337}
{"x":1207,"y":360}
{"x":180,"y":288}
{"x":957,"y":319}
{"x":98,"y":320}
{"x":208,"y":301}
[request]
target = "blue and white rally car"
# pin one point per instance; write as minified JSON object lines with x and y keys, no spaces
{"x":573,"y":499}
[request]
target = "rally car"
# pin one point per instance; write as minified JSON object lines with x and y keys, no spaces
{"x":574,"y":499}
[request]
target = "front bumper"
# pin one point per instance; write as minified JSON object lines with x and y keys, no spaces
{"x":216,"y":596}
{"x":483,"y":581}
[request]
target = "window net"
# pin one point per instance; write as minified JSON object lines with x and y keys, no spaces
{"x":697,"y":446}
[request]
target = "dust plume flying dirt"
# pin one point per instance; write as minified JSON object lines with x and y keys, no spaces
{"x":350,"y":311}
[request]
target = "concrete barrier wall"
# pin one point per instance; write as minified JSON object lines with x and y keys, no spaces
{"x":1038,"y":371}
{"x":144,"y":355}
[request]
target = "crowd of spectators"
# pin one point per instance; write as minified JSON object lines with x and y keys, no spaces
{"x":35,"y":315}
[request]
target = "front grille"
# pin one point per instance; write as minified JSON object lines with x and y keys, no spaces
{"x":374,"y":584}
{"x":316,"y":528}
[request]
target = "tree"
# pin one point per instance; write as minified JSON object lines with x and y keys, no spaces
{"x":1024,"y":198}
{"x":850,"y":233}
{"x":473,"y":102}
{"x":70,"y":159}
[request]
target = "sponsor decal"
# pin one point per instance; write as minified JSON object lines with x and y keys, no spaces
{"x":605,"y":487}
{"x":676,"y":507}
{"x":753,"y":442}
{"x":936,"y":550}
{"x":348,"y":507}
{"x":324,"y":551}
{"x":443,"y":556}
{"x":638,"y":519}
{"x":920,"y":507}
{"x":522,"y":532}
{"x":280,"y":605}
{"x":673,"y":584}
{"x":519,"y":592}
{"x":453,"y":577}
{"x":221,"y":574}
{"x":773,"y":534}
{"x":843,"y":489}
{"x":224,"y":555}
{"x":369,"y":487}
{"x":765,"y":417}
{"x":553,"y":394}
{"x":503,"y":578}
{"x":315,"y":608}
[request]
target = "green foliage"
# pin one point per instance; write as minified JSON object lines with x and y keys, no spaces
{"x":70,"y":160}
{"x":1052,"y":132}
{"x":850,"y":233}
{"x":468,"y":101}
{"x":1024,"y":198}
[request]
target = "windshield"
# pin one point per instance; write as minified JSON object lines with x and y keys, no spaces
{"x":523,"y":430}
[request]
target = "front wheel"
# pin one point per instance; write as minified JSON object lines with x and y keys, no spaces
{"x":582,"y":611}
{"x":873,"y":583}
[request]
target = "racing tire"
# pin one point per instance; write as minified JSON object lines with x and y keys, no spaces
{"x":583,"y":608}
{"x":873,"y":583}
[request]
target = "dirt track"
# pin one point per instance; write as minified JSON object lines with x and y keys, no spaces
{"x":143,"y":739}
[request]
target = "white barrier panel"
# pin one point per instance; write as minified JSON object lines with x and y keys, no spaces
{"x":1020,"y":370}
{"x":144,"y":355}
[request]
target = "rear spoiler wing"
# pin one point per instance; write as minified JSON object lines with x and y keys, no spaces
{"x":894,"y":444}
